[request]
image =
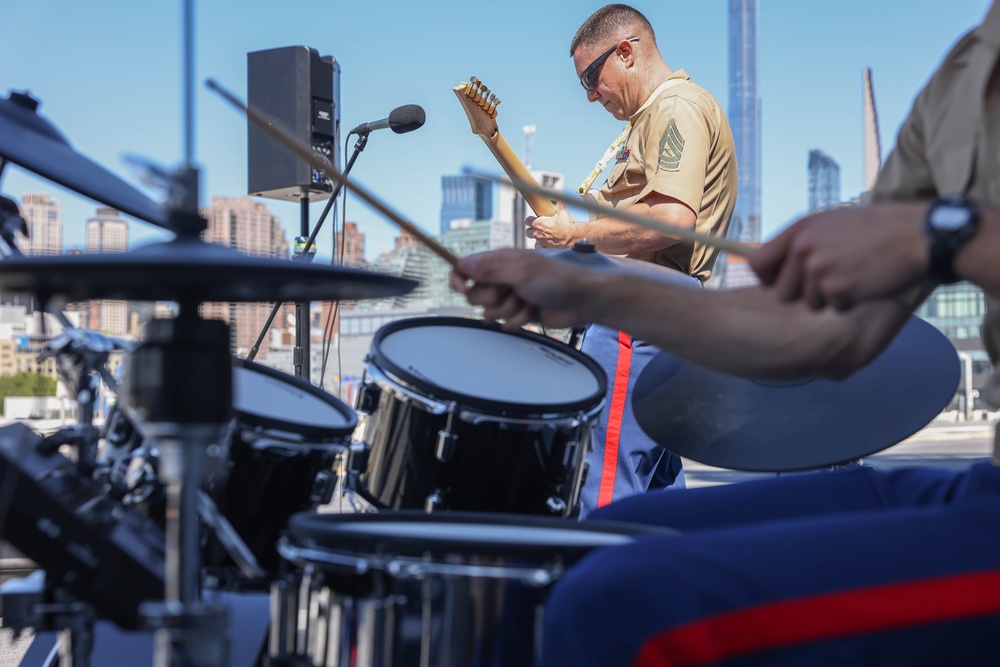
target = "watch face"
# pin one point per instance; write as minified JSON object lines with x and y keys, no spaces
{"x":949,"y":218}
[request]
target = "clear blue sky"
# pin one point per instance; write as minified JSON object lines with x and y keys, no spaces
{"x":109,"y":75}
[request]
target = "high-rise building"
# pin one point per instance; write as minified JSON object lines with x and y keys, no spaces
{"x":107,"y":232}
{"x":872,"y":140}
{"x":464,"y":238}
{"x":472,"y":197}
{"x":44,"y":218}
{"x":245,"y":225}
{"x":957,"y":311}
{"x":353,"y":252}
{"x":249,"y":227}
{"x":465,"y":197}
{"x":824,"y":181}
{"x":744,"y":118}
{"x":408,"y":259}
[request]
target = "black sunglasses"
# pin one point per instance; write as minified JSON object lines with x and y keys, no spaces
{"x":588,"y":78}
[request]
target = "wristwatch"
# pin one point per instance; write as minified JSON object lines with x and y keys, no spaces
{"x":950,"y":222}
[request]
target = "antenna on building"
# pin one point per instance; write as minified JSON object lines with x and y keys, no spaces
{"x":529,"y":132}
{"x":872,"y":143}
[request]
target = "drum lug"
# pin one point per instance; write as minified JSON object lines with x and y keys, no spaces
{"x":323,"y":486}
{"x":556,"y":505}
{"x":357,"y":457}
{"x":434,"y":501}
{"x":445,"y":445}
{"x":368,"y":397}
{"x":446,"y":438}
{"x":569,"y":455}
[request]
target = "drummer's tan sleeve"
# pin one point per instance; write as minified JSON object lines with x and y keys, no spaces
{"x":906,"y":174}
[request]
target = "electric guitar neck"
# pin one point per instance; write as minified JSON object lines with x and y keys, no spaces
{"x":481,"y":108}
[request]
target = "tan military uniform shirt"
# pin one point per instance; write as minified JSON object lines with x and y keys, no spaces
{"x":680,"y":145}
{"x":950,"y":144}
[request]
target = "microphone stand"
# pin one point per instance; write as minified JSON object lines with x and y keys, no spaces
{"x":298,"y":256}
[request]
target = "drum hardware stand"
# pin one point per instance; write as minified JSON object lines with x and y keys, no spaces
{"x":207,"y":510}
{"x":30,"y":603}
{"x":81,"y":356}
{"x":230,"y":539}
{"x":186,"y":418}
{"x":180,"y":386}
{"x":305,"y":250}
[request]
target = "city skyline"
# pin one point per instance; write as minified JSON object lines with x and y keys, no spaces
{"x":810,"y":64}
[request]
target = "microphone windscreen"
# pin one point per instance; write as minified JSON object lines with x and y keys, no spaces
{"x":406,"y":118}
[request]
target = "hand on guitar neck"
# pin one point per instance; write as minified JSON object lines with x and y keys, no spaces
{"x":558,"y":230}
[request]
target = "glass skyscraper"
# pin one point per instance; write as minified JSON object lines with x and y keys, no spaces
{"x":744,"y":118}
{"x":465,"y":197}
{"x":824,"y":181}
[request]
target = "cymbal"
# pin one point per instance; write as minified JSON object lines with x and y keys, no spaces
{"x":189,"y":270}
{"x":31,"y":141}
{"x":741,"y":424}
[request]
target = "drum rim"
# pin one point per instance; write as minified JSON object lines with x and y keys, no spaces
{"x":332,"y":532}
{"x":321,"y":433}
{"x":492,"y":406}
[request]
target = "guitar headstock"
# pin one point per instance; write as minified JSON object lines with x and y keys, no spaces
{"x":480,"y":106}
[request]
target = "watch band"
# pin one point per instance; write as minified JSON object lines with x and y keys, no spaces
{"x":950,"y":222}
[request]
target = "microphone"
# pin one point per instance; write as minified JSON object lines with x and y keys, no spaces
{"x":401,"y":119}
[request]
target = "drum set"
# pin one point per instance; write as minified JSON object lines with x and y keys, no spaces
{"x":195,"y":528}
{"x":210,"y":482}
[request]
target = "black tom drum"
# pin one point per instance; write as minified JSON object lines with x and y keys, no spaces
{"x":462,"y":415}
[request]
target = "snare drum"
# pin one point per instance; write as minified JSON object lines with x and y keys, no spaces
{"x":287,"y":434}
{"x":437,"y":590}
{"x":462,"y":415}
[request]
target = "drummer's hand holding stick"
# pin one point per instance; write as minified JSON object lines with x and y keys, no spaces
{"x":839,"y":258}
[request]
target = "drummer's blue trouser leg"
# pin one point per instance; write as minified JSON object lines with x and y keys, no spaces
{"x":624,"y":461}
{"x":848,"y":567}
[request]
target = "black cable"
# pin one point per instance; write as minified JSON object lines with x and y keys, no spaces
{"x":332,"y":317}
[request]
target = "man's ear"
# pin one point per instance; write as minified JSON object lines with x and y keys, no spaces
{"x":626,"y":51}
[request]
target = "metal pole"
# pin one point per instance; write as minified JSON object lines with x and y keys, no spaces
{"x":303,"y":325}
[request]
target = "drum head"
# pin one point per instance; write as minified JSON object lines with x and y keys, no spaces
{"x":416,"y":533}
{"x":268,"y":398}
{"x":478,"y":364}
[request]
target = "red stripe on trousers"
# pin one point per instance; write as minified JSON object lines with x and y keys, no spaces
{"x":823,"y":617}
{"x":613,"y":433}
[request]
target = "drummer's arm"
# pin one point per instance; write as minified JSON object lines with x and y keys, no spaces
{"x":749,"y":332}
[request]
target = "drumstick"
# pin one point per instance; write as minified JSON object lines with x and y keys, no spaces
{"x":282,"y":136}
{"x":720,"y":242}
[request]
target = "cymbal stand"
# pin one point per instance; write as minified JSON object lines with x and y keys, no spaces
{"x":180,"y":382}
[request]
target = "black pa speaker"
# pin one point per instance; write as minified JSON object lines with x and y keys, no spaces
{"x":299,"y":90}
